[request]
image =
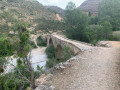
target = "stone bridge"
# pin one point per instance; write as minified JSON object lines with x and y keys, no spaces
{"x":59,"y":42}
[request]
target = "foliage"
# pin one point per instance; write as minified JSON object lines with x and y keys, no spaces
{"x":6,"y":49}
{"x":40,"y":69}
{"x":86,"y":28}
{"x":67,"y":53}
{"x":71,"y":6}
{"x":107,"y":29}
{"x":109,"y":11}
{"x":7,"y":17}
{"x":115,"y":36}
{"x":50,"y":51}
{"x":19,"y":45}
{"x":12,"y":0}
{"x":32,"y":43}
{"x":44,"y":24}
{"x":93,"y":20}
{"x":51,"y":62}
{"x":4,"y":28}
{"x":93,"y":33}
{"x":40,"y":41}
{"x":76,"y":21}
{"x":6,"y":46}
{"x":11,"y":81}
{"x":23,"y":51}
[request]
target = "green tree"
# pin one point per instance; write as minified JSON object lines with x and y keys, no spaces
{"x":76,"y":22}
{"x":71,"y":6}
{"x":19,"y":45}
{"x":23,"y":52}
{"x":93,"y":20}
{"x":107,"y":29}
{"x":93,"y":33}
{"x":6,"y":49}
{"x":109,"y":11}
{"x":50,"y":51}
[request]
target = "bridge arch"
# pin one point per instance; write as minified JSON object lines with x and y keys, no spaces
{"x":50,"y":41}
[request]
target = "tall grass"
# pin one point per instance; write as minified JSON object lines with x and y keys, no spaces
{"x":116,"y":35}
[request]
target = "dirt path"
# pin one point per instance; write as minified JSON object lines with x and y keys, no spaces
{"x":98,"y":69}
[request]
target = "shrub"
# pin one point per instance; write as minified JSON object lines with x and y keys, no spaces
{"x":51,"y":62}
{"x":93,"y":33}
{"x":67,"y":53}
{"x":32,"y":44}
{"x":44,"y":24}
{"x":115,"y":36}
{"x":40,"y":41}
{"x":11,"y":81}
{"x":50,"y":51}
{"x":4,"y":28}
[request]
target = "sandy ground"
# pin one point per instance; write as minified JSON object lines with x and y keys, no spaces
{"x":98,"y":69}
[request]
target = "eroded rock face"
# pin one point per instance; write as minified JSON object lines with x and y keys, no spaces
{"x":90,"y":6}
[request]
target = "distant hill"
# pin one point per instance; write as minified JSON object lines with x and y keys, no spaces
{"x":90,"y":6}
{"x":56,"y":9}
{"x":12,"y":11}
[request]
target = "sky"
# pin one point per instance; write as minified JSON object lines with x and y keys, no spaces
{"x":60,"y":3}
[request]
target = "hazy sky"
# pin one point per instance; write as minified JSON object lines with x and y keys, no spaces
{"x":60,"y":3}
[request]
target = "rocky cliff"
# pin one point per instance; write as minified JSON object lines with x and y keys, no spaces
{"x":90,"y":6}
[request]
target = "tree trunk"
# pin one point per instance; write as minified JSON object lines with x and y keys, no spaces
{"x":32,"y":84}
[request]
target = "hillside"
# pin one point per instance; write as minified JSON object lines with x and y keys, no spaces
{"x":90,"y":6}
{"x":23,"y":10}
{"x":56,"y":9}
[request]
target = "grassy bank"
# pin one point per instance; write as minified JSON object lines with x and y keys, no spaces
{"x":116,"y":35}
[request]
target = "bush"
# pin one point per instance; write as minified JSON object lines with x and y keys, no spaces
{"x":4,"y":28}
{"x":44,"y":24}
{"x":12,"y":0}
{"x":32,"y":44}
{"x":93,"y":20}
{"x":115,"y":36}
{"x":40,"y":41}
{"x":51,"y":62}
{"x":50,"y":51}
{"x":11,"y":81}
{"x":94,"y":33}
{"x":67,"y":53}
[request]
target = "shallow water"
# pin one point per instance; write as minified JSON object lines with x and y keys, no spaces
{"x":38,"y":57}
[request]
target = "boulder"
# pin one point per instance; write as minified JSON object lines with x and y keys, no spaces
{"x":43,"y":79}
{"x":44,"y":87}
{"x":103,"y":44}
